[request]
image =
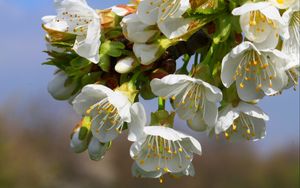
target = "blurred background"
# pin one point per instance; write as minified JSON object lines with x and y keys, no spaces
{"x":35,"y":129}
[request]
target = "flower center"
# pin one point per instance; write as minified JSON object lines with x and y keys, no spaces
{"x":77,"y":24}
{"x":193,"y":98}
{"x":257,"y":18}
{"x":108,"y":115}
{"x":280,"y":1}
{"x":256,"y":68}
{"x":156,"y":147}
{"x":242,"y":125}
{"x":168,"y":8}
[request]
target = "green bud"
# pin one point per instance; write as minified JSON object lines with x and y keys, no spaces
{"x":162,"y":117}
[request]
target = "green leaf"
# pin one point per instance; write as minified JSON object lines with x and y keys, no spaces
{"x":79,"y":62}
{"x":104,"y":62}
{"x":223,"y":29}
{"x":112,"y":48}
{"x":90,"y":78}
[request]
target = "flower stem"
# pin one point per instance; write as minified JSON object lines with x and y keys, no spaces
{"x":161,"y":103}
{"x":134,"y":78}
{"x":196,"y":60}
{"x":186,"y":60}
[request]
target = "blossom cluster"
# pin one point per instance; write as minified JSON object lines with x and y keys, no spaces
{"x":108,"y":61}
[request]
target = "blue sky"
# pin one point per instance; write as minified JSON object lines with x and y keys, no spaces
{"x":23,"y":77}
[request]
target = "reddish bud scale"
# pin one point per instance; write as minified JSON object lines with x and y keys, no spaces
{"x":158,"y":73}
{"x":169,"y":65}
{"x":211,"y":28}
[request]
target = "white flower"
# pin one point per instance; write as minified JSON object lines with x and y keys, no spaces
{"x":244,"y":121}
{"x":140,"y":173}
{"x":61,"y":88}
{"x":166,"y":14}
{"x":109,"y":110}
{"x":256,"y":72}
{"x":293,"y":74}
{"x":164,"y":149}
{"x":125,"y":65}
{"x":77,"y":145}
{"x":194,"y":99}
{"x":147,"y":53}
{"x":261,"y":23}
{"x":291,"y":45}
{"x":76,"y":17}
{"x":147,"y":48}
{"x":97,"y":149}
{"x":283,"y":4}
{"x":137,"y":31}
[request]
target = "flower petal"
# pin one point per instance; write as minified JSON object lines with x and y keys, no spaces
{"x":164,"y":132}
{"x":170,"y":85}
{"x":174,"y":27}
{"x":148,"y":11}
{"x":90,"y":95}
{"x":253,"y":111}
{"x":139,"y":121}
{"x":122,"y":103}
{"x":226,"y":118}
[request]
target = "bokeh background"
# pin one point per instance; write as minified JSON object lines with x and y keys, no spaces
{"x":35,"y":129}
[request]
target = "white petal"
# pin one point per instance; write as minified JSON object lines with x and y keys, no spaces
{"x":146,"y":53}
{"x":125,"y":65}
{"x":164,"y":132}
{"x":232,"y":60}
{"x":252,"y":110}
{"x":167,"y":6}
{"x":174,"y":27}
{"x":195,"y":146}
{"x":197,"y":123}
{"x":139,"y":121}
{"x":170,"y":85}
{"x":96,"y":149}
{"x":90,"y":95}
{"x":104,"y":132}
{"x":248,"y":93}
{"x":139,"y":172}
{"x":226,"y":118}
{"x":88,"y":46}
{"x":247,"y":7}
{"x":136,"y":31}
{"x":260,"y":129}
{"x":58,"y":88}
{"x":210,"y":113}
{"x":148,"y":11}
{"x":271,"y":40}
{"x":122,"y":103}
{"x":213,"y":94}
{"x":119,"y":11}
{"x":190,"y":171}
{"x":78,"y":145}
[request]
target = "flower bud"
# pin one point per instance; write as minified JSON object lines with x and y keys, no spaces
{"x":162,"y":117}
{"x":109,"y":19}
{"x":158,"y":73}
{"x":97,"y":149}
{"x":61,"y":87}
{"x":169,"y":65}
{"x":129,"y":90}
{"x":77,"y":145}
{"x":125,"y":65}
{"x":145,"y":90}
